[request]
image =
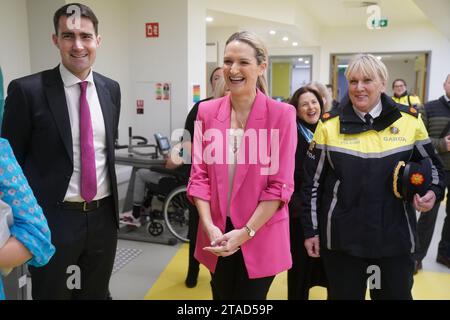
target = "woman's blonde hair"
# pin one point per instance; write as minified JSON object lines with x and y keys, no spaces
{"x":369,"y":66}
{"x":261,"y":53}
{"x":322,"y":89}
{"x":221,"y":88}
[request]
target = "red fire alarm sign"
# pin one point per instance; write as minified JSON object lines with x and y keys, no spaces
{"x":152,"y":30}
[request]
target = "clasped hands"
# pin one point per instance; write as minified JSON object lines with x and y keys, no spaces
{"x":224,"y":245}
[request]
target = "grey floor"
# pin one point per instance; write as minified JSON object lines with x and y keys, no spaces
{"x":136,"y":278}
{"x":429,"y":263}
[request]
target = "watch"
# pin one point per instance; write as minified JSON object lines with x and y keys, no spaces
{"x":250,"y":231}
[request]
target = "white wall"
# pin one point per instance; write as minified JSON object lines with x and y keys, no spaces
{"x":220,"y":35}
{"x":265,"y":9}
{"x":300,"y":77}
{"x":113,"y":54}
{"x":418,"y":37}
{"x":403,"y":70}
{"x":14,"y":54}
{"x":43,"y":53}
{"x":180,"y":49}
{"x":196,"y":46}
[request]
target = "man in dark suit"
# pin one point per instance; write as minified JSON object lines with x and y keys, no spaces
{"x":61,"y":124}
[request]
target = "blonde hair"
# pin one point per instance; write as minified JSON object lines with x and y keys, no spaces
{"x":221,"y":89}
{"x":261,"y":53}
{"x":322,"y":89}
{"x":369,"y":66}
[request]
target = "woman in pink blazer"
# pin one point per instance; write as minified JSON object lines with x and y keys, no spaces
{"x":242,"y":177}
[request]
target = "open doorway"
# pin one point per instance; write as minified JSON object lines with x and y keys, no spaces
{"x":288,"y":73}
{"x":411,"y":66}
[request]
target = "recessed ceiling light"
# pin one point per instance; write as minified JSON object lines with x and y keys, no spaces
{"x":285,"y":39}
{"x":209,"y":19}
{"x":295,"y":44}
{"x":307,"y":61}
{"x":272,"y":32}
{"x":300,"y":59}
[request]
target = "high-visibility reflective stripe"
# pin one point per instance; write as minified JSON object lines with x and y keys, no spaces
{"x":372,"y":155}
{"x":330,"y":213}
{"x":411,"y":236}
{"x":314,"y":198}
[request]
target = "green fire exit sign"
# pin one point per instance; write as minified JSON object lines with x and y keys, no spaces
{"x":381,"y":23}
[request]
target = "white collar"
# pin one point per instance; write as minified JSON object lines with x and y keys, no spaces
{"x":375,"y":112}
{"x":69,"y":79}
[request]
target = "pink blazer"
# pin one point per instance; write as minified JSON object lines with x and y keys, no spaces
{"x":268,"y":253}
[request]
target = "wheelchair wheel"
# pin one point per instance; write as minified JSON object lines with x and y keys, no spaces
{"x":155,"y":228}
{"x":176,"y":213}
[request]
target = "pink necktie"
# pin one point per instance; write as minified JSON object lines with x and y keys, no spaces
{"x":88,"y":172}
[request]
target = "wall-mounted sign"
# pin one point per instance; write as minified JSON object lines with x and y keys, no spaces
{"x":166,"y":91}
{"x":140,"y":106}
{"x":195,"y":93}
{"x":158,"y":91}
{"x":152,"y":30}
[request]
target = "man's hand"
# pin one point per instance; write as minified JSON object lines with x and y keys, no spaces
{"x":425,"y":203}
{"x":312,"y":247}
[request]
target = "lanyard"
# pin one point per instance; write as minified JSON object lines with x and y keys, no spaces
{"x":306,"y":133}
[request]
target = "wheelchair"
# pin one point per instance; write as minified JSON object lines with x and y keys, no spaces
{"x":171,"y":192}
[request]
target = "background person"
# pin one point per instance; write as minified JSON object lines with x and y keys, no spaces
{"x":324,"y":93}
{"x":436,"y":117}
{"x":306,"y":272}
{"x":402,"y":96}
{"x":351,"y":217}
{"x":243,"y":236}
{"x":334,"y":102}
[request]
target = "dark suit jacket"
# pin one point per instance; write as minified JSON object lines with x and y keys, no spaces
{"x":36,"y":123}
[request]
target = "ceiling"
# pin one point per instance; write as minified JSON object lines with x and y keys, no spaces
{"x":333,"y":13}
{"x":326,"y":14}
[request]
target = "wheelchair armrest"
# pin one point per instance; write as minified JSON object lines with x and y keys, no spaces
{"x":162,"y":170}
{"x":175,"y":173}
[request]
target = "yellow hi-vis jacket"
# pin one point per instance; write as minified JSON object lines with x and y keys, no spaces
{"x":347,"y":194}
{"x":407,"y":100}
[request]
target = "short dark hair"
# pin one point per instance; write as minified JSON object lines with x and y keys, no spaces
{"x":294,"y":99}
{"x":85,"y":12}
{"x":393,"y":83}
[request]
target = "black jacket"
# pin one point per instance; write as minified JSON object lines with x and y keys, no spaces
{"x":36,"y":123}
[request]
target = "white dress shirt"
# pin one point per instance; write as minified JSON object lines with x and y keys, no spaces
{"x":375,"y":112}
{"x":72,"y":91}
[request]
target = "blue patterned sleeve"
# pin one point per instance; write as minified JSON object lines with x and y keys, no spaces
{"x":30,"y":226}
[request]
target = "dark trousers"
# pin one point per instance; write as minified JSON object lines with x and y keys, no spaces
{"x":230,"y":280}
{"x":194,"y":265}
{"x":348,"y":275}
{"x":84,"y":241}
{"x":425,"y":228}
{"x":306,"y":272}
